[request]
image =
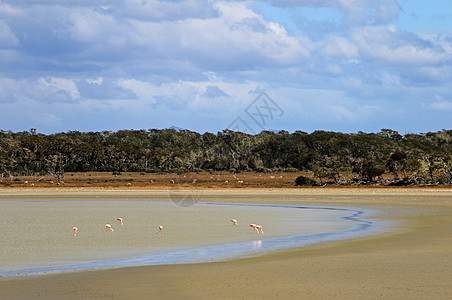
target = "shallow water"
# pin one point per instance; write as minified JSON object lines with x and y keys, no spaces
{"x":38,"y":234}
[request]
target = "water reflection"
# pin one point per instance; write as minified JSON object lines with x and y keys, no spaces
{"x":257,"y":245}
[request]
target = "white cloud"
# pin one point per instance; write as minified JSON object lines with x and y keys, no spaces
{"x":43,"y":89}
{"x":238,"y":38}
{"x":207,"y":96}
{"x":143,"y":90}
{"x":91,"y":26}
{"x":97,"y":81}
{"x":213,"y":91}
{"x":398,"y":47}
{"x":57,"y":85}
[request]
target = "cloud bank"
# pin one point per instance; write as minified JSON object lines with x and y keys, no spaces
{"x":79,"y":65}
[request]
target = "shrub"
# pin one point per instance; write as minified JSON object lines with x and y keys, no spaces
{"x":303,"y":180}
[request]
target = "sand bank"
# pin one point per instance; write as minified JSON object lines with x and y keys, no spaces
{"x":412,"y":262}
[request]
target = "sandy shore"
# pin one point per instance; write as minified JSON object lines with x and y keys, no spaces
{"x":414,"y":262}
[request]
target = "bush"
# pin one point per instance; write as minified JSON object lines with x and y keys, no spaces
{"x":303,"y":180}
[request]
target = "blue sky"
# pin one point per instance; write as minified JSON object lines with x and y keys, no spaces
{"x":337,"y":65}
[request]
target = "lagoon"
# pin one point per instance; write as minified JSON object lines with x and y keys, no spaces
{"x":36,"y":235}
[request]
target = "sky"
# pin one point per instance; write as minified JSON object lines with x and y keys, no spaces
{"x":206,"y":65}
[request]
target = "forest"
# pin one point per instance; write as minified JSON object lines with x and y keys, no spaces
{"x":321,"y":157}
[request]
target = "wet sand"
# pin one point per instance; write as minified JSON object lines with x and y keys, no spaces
{"x":412,"y":262}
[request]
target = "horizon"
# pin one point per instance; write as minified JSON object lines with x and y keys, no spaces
{"x":330,"y":65}
{"x":33,"y":131}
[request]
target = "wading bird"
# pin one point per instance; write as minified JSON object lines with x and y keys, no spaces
{"x":108,"y":226}
{"x":75,"y":230}
{"x":120,"y":221}
{"x":257,"y":228}
{"x":234,"y":222}
{"x":160,"y":229}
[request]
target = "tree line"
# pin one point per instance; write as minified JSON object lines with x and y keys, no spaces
{"x":324,"y":156}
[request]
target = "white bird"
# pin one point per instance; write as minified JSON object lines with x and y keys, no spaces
{"x":234,"y":221}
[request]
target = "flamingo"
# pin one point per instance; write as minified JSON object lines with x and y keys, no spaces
{"x":120,"y":221}
{"x":160,"y":229}
{"x":259,"y":229}
{"x":75,"y":230}
{"x":108,"y":226}
{"x":234,"y":222}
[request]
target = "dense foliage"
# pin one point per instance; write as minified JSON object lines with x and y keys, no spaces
{"x":421,"y":158}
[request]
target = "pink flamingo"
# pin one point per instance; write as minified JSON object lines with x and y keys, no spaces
{"x":120,"y":221}
{"x":75,"y":230}
{"x":160,"y":229}
{"x":257,"y":228}
{"x":108,"y":226}
{"x":234,"y":222}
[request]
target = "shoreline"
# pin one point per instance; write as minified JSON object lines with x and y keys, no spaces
{"x":378,"y":196}
{"x":216,"y":188}
{"x":203,"y":188}
{"x":412,"y":262}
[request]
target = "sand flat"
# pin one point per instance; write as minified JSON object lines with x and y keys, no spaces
{"x":413,"y":262}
